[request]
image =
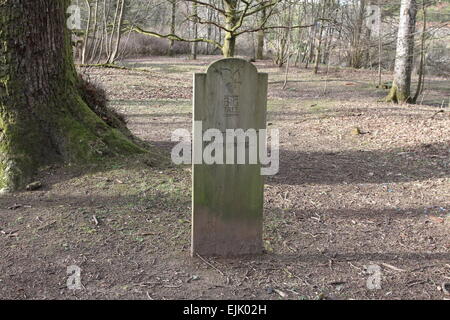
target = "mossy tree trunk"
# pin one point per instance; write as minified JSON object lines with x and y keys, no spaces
{"x":401,"y":86}
{"x":229,"y":45}
{"x":43,"y":118}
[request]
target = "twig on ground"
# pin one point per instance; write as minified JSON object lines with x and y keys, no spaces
{"x":47,"y":225}
{"x":393,"y":268}
{"x":281,"y":293}
{"x":422,"y":268}
{"x":436,"y":113}
{"x":416,"y":282}
{"x":211,"y":265}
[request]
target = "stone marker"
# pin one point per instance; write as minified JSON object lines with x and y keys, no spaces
{"x":227,"y":201}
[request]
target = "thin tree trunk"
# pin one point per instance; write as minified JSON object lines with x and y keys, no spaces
{"x":319,"y":45}
{"x":113,"y":56}
{"x":98,"y":56}
{"x":172,"y":26}
{"x":194,"y":45}
{"x":86,"y":34}
{"x":209,"y":27}
{"x":113,"y":31}
{"x":380,"y":49}
{"x":260,"y":38}
{"x":356,"y":47}
{"x":94,"y":32}
{"x":105,"y":29}
{"x":318,"y":48}
{"x":312,"y":36}
{"x":422,"y":54}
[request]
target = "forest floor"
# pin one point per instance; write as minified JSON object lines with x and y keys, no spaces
{"x":340,"y":203}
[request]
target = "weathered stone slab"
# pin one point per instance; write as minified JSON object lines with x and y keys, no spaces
{"x":227,"y":198}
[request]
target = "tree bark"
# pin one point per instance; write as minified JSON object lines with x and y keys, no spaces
{"x":231,"y":19}
{"x":95,"y":42}
{"x":423,"y":39}
{"x":86,"y":33}
{"x":260,"y":37}
{"x":115,"y":51}
{"x":401,"y":86}
{"x":318,"y":50}
{"x":194,"y":45}
{"x":43,"y":118}
{"x":172,"y":26}
{"x":110,"y":43}
{"x":319,"y":45}
{"x":357,"y":49}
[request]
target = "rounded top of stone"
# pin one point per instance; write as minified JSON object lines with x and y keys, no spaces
{"x":231,"y":62}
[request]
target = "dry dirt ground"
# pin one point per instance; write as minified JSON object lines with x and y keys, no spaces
{"x":341,"y":201}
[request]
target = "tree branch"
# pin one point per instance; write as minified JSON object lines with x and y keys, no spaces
{"x":275,"y":27}
{"x":206,"y":4}
{"x":241,"y":18}
{"x":196,"y":18}
{"x":175,"y":37}
{"x":268,"y":5}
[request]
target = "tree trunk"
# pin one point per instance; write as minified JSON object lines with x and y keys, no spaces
{"x":319,"y":45}
{"x":423,"y":39}
{"x":260,"y":45}
{"x":94,"y":44}
{"x":209,"y":27}
{"x":380,"y":49}
{"x":172,"y":26}
{"x":401,"y":86}
{"x":194,"y":45}
{"x":110,"y":43}
{"x":86,"y":34}
{"x":260,"y":37}
{"x":43,"y":118}
{"x":318,"y":50}
{"x":357,"y":49}
{"x":231,"y":19}
{"x":115,"y":51}
{"x":229,"y":45}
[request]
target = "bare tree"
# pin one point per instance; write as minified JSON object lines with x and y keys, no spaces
{"x":234,"y":14}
